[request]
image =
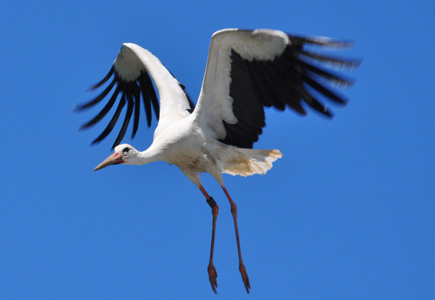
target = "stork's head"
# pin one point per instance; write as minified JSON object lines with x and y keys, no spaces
{"x":124,"y":154}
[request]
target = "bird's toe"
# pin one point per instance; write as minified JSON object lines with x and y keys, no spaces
{"x":212,"y":276}
{"x":245,"y":277}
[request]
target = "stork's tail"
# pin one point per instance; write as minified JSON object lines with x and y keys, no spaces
{"x":246,"y":162}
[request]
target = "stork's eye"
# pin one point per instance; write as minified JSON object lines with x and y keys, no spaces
{"x":125,"y":150}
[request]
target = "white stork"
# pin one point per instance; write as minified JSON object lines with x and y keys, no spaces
{"x":246,"y":71}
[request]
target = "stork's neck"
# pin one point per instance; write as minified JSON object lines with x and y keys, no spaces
{"x":148,"y":156}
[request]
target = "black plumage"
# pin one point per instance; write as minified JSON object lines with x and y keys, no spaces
{"x":131,"y":94}
{"x":286,"y":81}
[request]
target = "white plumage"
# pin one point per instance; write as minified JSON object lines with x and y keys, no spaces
{"x":246,"y":71}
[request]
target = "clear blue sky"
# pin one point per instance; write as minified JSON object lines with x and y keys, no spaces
{"x":347,"y":213}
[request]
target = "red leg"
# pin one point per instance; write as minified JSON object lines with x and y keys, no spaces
{"x":212,"y":274}
{"x":241,"y":265}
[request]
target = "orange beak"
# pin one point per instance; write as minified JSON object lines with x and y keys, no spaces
{"x":113,"y":159}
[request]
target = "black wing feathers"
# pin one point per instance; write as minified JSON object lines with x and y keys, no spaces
{"x":112,"y":69}
{"x":112,"y":122}
{"x":146,"y":80}
{"x":136,"y":93}
{"x":146,"y":99}
{"x":287,"y":81}
{"x":98,"y":98}
{"x":130,"y":93}
{"x":191,"y":104}
{"x":348,"y":63}
{"x":126,"y":120}
{"x":247,"y":105}
{"x":104,"y":111}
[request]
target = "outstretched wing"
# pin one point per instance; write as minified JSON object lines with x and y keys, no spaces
{"x":248,"y":70}
{"x":130,"y":76}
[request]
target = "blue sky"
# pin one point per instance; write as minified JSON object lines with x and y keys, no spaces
{"x":347,"y":213}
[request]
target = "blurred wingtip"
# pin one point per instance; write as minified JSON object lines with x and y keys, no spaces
{"x":76,"y":108}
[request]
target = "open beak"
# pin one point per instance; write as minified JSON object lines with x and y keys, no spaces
{"x":113,"y":159}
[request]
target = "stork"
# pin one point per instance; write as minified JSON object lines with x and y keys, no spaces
{"x":246,"y":71}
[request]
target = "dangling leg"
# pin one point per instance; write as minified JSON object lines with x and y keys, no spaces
{"x":212,"y":274}
{"x":241,"y":265}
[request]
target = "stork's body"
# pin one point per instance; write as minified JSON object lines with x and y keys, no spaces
{"x":184,"y":144}
{"x":246,"y":71}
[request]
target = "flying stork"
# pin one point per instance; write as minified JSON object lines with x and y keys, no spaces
{"x":246,"y":71}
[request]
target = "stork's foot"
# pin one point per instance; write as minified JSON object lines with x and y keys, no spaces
{"x":245,"y":277}
{"x":212,"y":276}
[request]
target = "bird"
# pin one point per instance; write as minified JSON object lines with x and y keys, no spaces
{"x":246,"y":71}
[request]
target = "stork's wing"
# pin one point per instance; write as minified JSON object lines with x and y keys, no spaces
{"x":131,"y":81}
{"x":247,"y":70}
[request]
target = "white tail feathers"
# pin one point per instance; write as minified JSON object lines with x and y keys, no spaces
{"x":246,"y":162}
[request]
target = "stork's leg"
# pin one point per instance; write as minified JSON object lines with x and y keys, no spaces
{"x":212,"y":274}
{"x":241,"y":265}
